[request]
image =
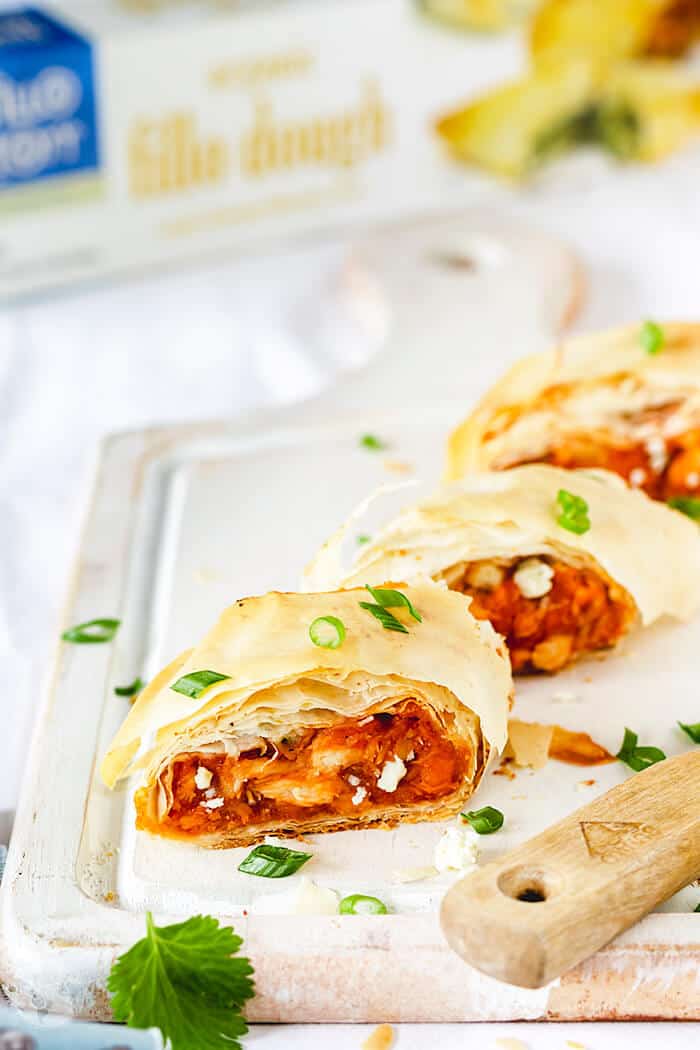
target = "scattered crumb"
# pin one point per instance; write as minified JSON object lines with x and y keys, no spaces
{"x":574,"y":1045}
{"x":504,"y":770}
{"x":582,"y":784}
{"x":528,"y":743}
{"x":109,"y":897}
{"x":380,"y":1039}
{"x":398,"y":466}
{"x":587,"y":678}
{"x":518,"y":798}
{"x":512,"y":1044}
{"x":414,"y":874}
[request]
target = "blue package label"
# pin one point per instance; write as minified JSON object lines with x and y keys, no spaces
{"x":48,"y":123}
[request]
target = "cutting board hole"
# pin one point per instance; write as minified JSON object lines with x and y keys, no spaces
{"x":527,"y":884}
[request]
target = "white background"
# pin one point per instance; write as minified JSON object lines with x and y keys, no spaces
{"x":225,"y":338}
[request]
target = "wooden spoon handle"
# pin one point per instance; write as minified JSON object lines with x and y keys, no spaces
{"x":547,"y":905}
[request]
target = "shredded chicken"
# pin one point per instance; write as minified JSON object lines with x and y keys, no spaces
{"x":581,"y":612}
{"x":663,"y":468}
{"x":331,"y":771}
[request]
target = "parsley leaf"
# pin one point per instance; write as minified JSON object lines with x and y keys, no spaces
{"x":638,"y":758}
{"x":184,"y":980}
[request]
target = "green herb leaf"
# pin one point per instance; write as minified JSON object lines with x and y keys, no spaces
{"x":390,"y":599}
{"x":197,"y":682}
{"x":360,"y":904}
{"x":327,"y":632}
{"x":372,"y":442}
{"x":638,"y":758}
{"x":92,"y":632}
{"x":485,"y":820}
{"x":693,"y":731}
{"x":688,"y":505}
{"x":386,"y":618}
{"x":129,"y":690}
{"x":362,"y":539}
{"x":273,"y":862}
{"x":574,"y":512}
{"x":184,"y":980}
{"x":652,"y":337}
{"x":696,"y":908}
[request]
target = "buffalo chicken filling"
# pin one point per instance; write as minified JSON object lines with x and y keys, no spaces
{"x":341,"y":771}
{"x":664,"y":468}
{"x":548,"y":612}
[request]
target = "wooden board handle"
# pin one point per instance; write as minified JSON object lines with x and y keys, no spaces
{"x":544,"y":907}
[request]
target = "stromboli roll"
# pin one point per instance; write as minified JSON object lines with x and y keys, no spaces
{"x":562,"y":563}
{"x":613,"y":400}
{"x":365,"y":727}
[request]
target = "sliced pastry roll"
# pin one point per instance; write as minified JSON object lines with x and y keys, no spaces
{"x":315,"y":712}
{"x":560,"y":562}
{"x":627,"y":400}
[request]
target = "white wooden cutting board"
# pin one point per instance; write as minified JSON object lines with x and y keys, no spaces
{"x":186,"y":519}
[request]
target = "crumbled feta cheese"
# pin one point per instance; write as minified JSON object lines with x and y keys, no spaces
{"x":212,"y":803}
{"x":692,"y":480}
{"x":353,"y":781}
{"x":210,"y":793}
{"x":394,"y":770}
{"x":637,"y":477}
{"x":306,"y":898}
{"x":203,"y":778}
{"x":657,"y":452}
{"x":533,"y":578}
{"x":366,"y":720}
{"x":457,"y":850}
{"x":485,"y":576}
{"x":359,"y":796}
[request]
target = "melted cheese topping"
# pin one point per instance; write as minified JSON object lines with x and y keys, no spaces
{"x":580,"y":612}
{"x":338,"y":770}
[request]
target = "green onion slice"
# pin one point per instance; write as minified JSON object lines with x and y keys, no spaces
{"x":362,"y":539}
{"x":129,"y":690}
{"x":390,"y":599}
{"x":273,"y":862}
{"x":696,"y":908}
{"x":372,"y":442}
{"x":652,"y":337}
{"x":386,"y":618}
{"x":327,"y":632}
{"x":574,"y":512}
{"x":360,"y":904}
{"x":93,"y":632}
{"x":485,"y":820}
{"x":638,"y":758}
{"x":693,"y":731}
{"x":688,"y":505}
{"x":197,"y":682}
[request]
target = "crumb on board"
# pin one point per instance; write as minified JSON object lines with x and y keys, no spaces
{"x":511,"y":1044}
{"x":585,"y":784}
{"x":528,"y":743}
{"x":398,"y":466}
{"x":574,"y":1045}
{"x":415,"y":874}
{"x":505,"y":770}
{"x":380,"y":1039}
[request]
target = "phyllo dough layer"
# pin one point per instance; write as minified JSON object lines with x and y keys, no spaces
{"x":555,"y":586}
{"x":391,"y":725}
{"x":596,"y":401}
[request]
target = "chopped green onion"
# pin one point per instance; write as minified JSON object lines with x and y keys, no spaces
{"x":362,"y":539}
{"x":688,"y":505}
{"x":696,"y":908}
{"x":693,"y":731}
{"x":485,"y":821}
{"x":327,"y":632}
{"x":386,"y":618}
{"x":359,"y":904}
{"x":273,"y":862}
{"x":372,"y":442}
{"x":574,"y":512}
{"x":390,"y":599}
{"x":652,"y":337}
{"x":92,"y":632}
{"x":129,"y":690}
{"x":638,"y":758}
{"x":197,"y":682}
